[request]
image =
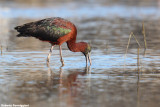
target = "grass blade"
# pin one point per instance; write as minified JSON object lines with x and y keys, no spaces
{"x":1,"y":50}
{"x":128,"y":43}
{"x":136,"y":40}
{"x":144,"y":36}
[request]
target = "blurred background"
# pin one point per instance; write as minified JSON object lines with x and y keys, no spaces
{"x":95,"y":19}
{"x":113,"y":80}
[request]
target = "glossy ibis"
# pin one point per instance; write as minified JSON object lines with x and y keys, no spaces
{"x":56,"y":31}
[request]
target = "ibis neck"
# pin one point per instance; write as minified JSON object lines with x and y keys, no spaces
{"x":73,"y":46}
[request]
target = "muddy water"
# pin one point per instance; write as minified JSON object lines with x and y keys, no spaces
{"x":113,"y":79}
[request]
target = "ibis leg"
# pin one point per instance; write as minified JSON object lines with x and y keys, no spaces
{"x":60,"y":50}
{"x":50,"y":52}
{"x":86,"y":60}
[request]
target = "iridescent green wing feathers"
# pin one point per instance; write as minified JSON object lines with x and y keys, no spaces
{"x":58,"y":30}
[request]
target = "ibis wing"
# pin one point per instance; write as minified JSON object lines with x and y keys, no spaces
{"x":46,"y":29}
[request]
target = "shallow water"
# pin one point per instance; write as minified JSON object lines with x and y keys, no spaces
{"x":113,"y":79}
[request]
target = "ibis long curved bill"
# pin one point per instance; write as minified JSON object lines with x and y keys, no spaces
{"x":88,"y":58}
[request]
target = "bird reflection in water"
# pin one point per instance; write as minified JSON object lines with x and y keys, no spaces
{"x":61,"y":87}
{"x":69,"y":84}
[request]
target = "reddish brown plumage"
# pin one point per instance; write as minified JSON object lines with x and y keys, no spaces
{"x":55,"y":31}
